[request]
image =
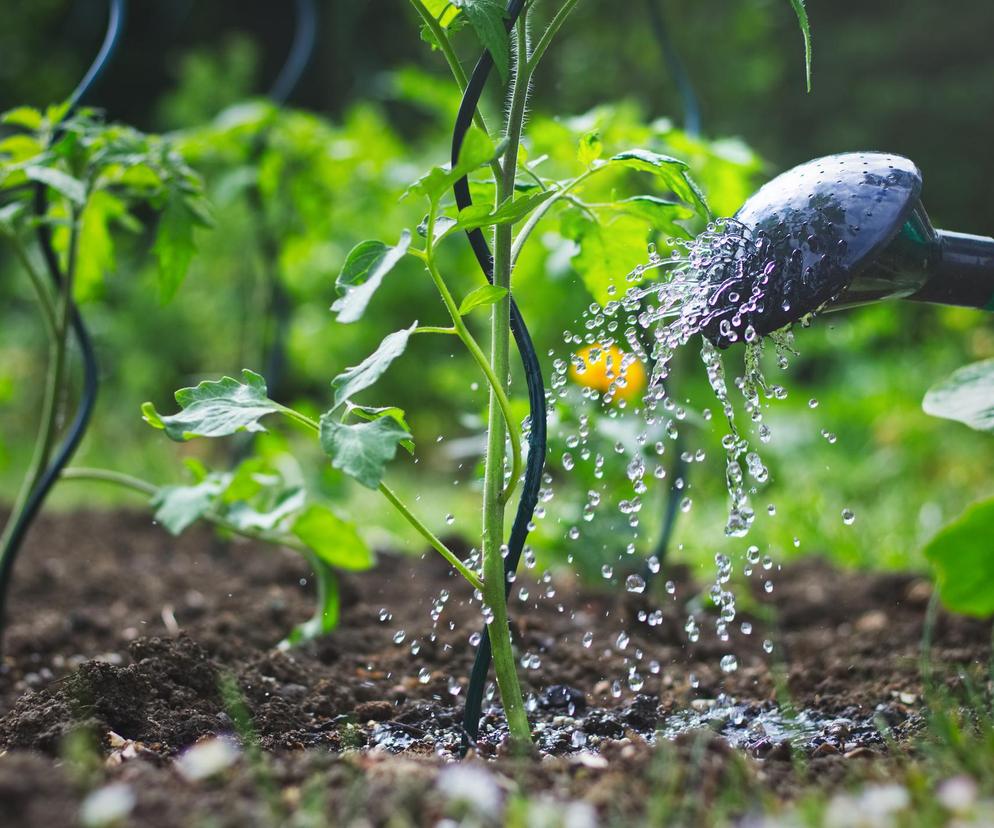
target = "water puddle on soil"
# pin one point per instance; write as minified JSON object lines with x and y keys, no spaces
{"x":761,"y":729}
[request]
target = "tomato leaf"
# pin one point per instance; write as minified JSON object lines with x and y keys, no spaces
{"x":63,"y":183}
{"x":509,"y":212}
{"x":174,"y":244}
{"x":967,"y":396}
{"x":177,"y":507}
{"x":216,"y":409}
{"x":362,"y":450}
{"x":333,"y":540}
{"x":487,"y":19}
{"x":964,"y":565}
{"x":353,"y":380}
{"x":483,"y":295}
{"x":672,"y":172}
{"x":363,"y":272}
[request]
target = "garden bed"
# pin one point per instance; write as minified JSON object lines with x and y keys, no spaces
{"x":123,"y":632}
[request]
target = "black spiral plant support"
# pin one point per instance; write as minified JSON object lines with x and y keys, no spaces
{"x":88,"y":396}
{"x":533,"y":377}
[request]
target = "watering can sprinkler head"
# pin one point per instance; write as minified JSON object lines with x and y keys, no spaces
{"x":840,"y":231}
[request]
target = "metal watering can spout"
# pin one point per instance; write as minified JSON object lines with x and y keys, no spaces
{"x":850,"y":229}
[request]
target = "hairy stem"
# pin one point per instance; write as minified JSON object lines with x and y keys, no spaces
{"x":493,"y":504}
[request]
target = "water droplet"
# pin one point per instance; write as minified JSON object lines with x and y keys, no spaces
{"x":848,"y":517}
{"x":729,"y":664}
{"x":635,"y":583}
{"x":399,"y":636}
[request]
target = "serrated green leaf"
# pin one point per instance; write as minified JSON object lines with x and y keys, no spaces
{"x":363,"y":272}
{"x":353,"y":380}
{"x":671,"y":171}
{"x":216,"y":409}
{"x":658,"y":212}
{"x":487,"y":19}
{"x":802,"y":21}
{"x":362,"y":450}
{"x":63,"y":183}
{"x":23,"y":116}
{"x":174,"y":244}
{"x":509,"y":212}
{"x":177,"y":507}
{"x":370,"y":412}
{"x":967,"y":396}
{"x":607,"y":252}
{"x":333,"y":540}
{"x":964,"y":566}
{"x":483,"y":295}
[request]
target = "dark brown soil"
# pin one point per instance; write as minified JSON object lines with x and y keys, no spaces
{"x":122,"y":633}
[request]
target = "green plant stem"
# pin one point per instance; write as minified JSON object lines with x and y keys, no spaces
{"x":550,"y":32}
{"x":432,"y":329}
{"x":493,"y":505}
{"x":543,"y":208}
{"x":54,"y":381}
{"x":428,"y":535}
{"x":42,"y":291}
{"x":480,"y":358}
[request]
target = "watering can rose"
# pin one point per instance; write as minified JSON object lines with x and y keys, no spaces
{"x":608,"y":368}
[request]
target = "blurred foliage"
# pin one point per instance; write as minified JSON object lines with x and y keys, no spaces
{"x":294,"y":191}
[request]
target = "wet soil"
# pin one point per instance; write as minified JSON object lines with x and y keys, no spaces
{"x":122,"y":637}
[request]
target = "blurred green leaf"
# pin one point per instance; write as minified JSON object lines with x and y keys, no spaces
{"x":62,"y":183}
{"x":964,"y":565}
{"x":333,"y":540}
{"x":174,"y":244}
{"x":216,"y":408}
{"x":967,"y":396}
{"x":363,"y":272}
{"x":177,"y":507}
{"x":23,"y":116}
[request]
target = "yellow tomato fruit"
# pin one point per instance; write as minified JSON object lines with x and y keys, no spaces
{"x":601,"y":372}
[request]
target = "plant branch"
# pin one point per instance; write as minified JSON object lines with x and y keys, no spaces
{"x":550,"y":32}
{"x":42,"y":291}
{"x":430,"y":536}
{"x":543,"y":208}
